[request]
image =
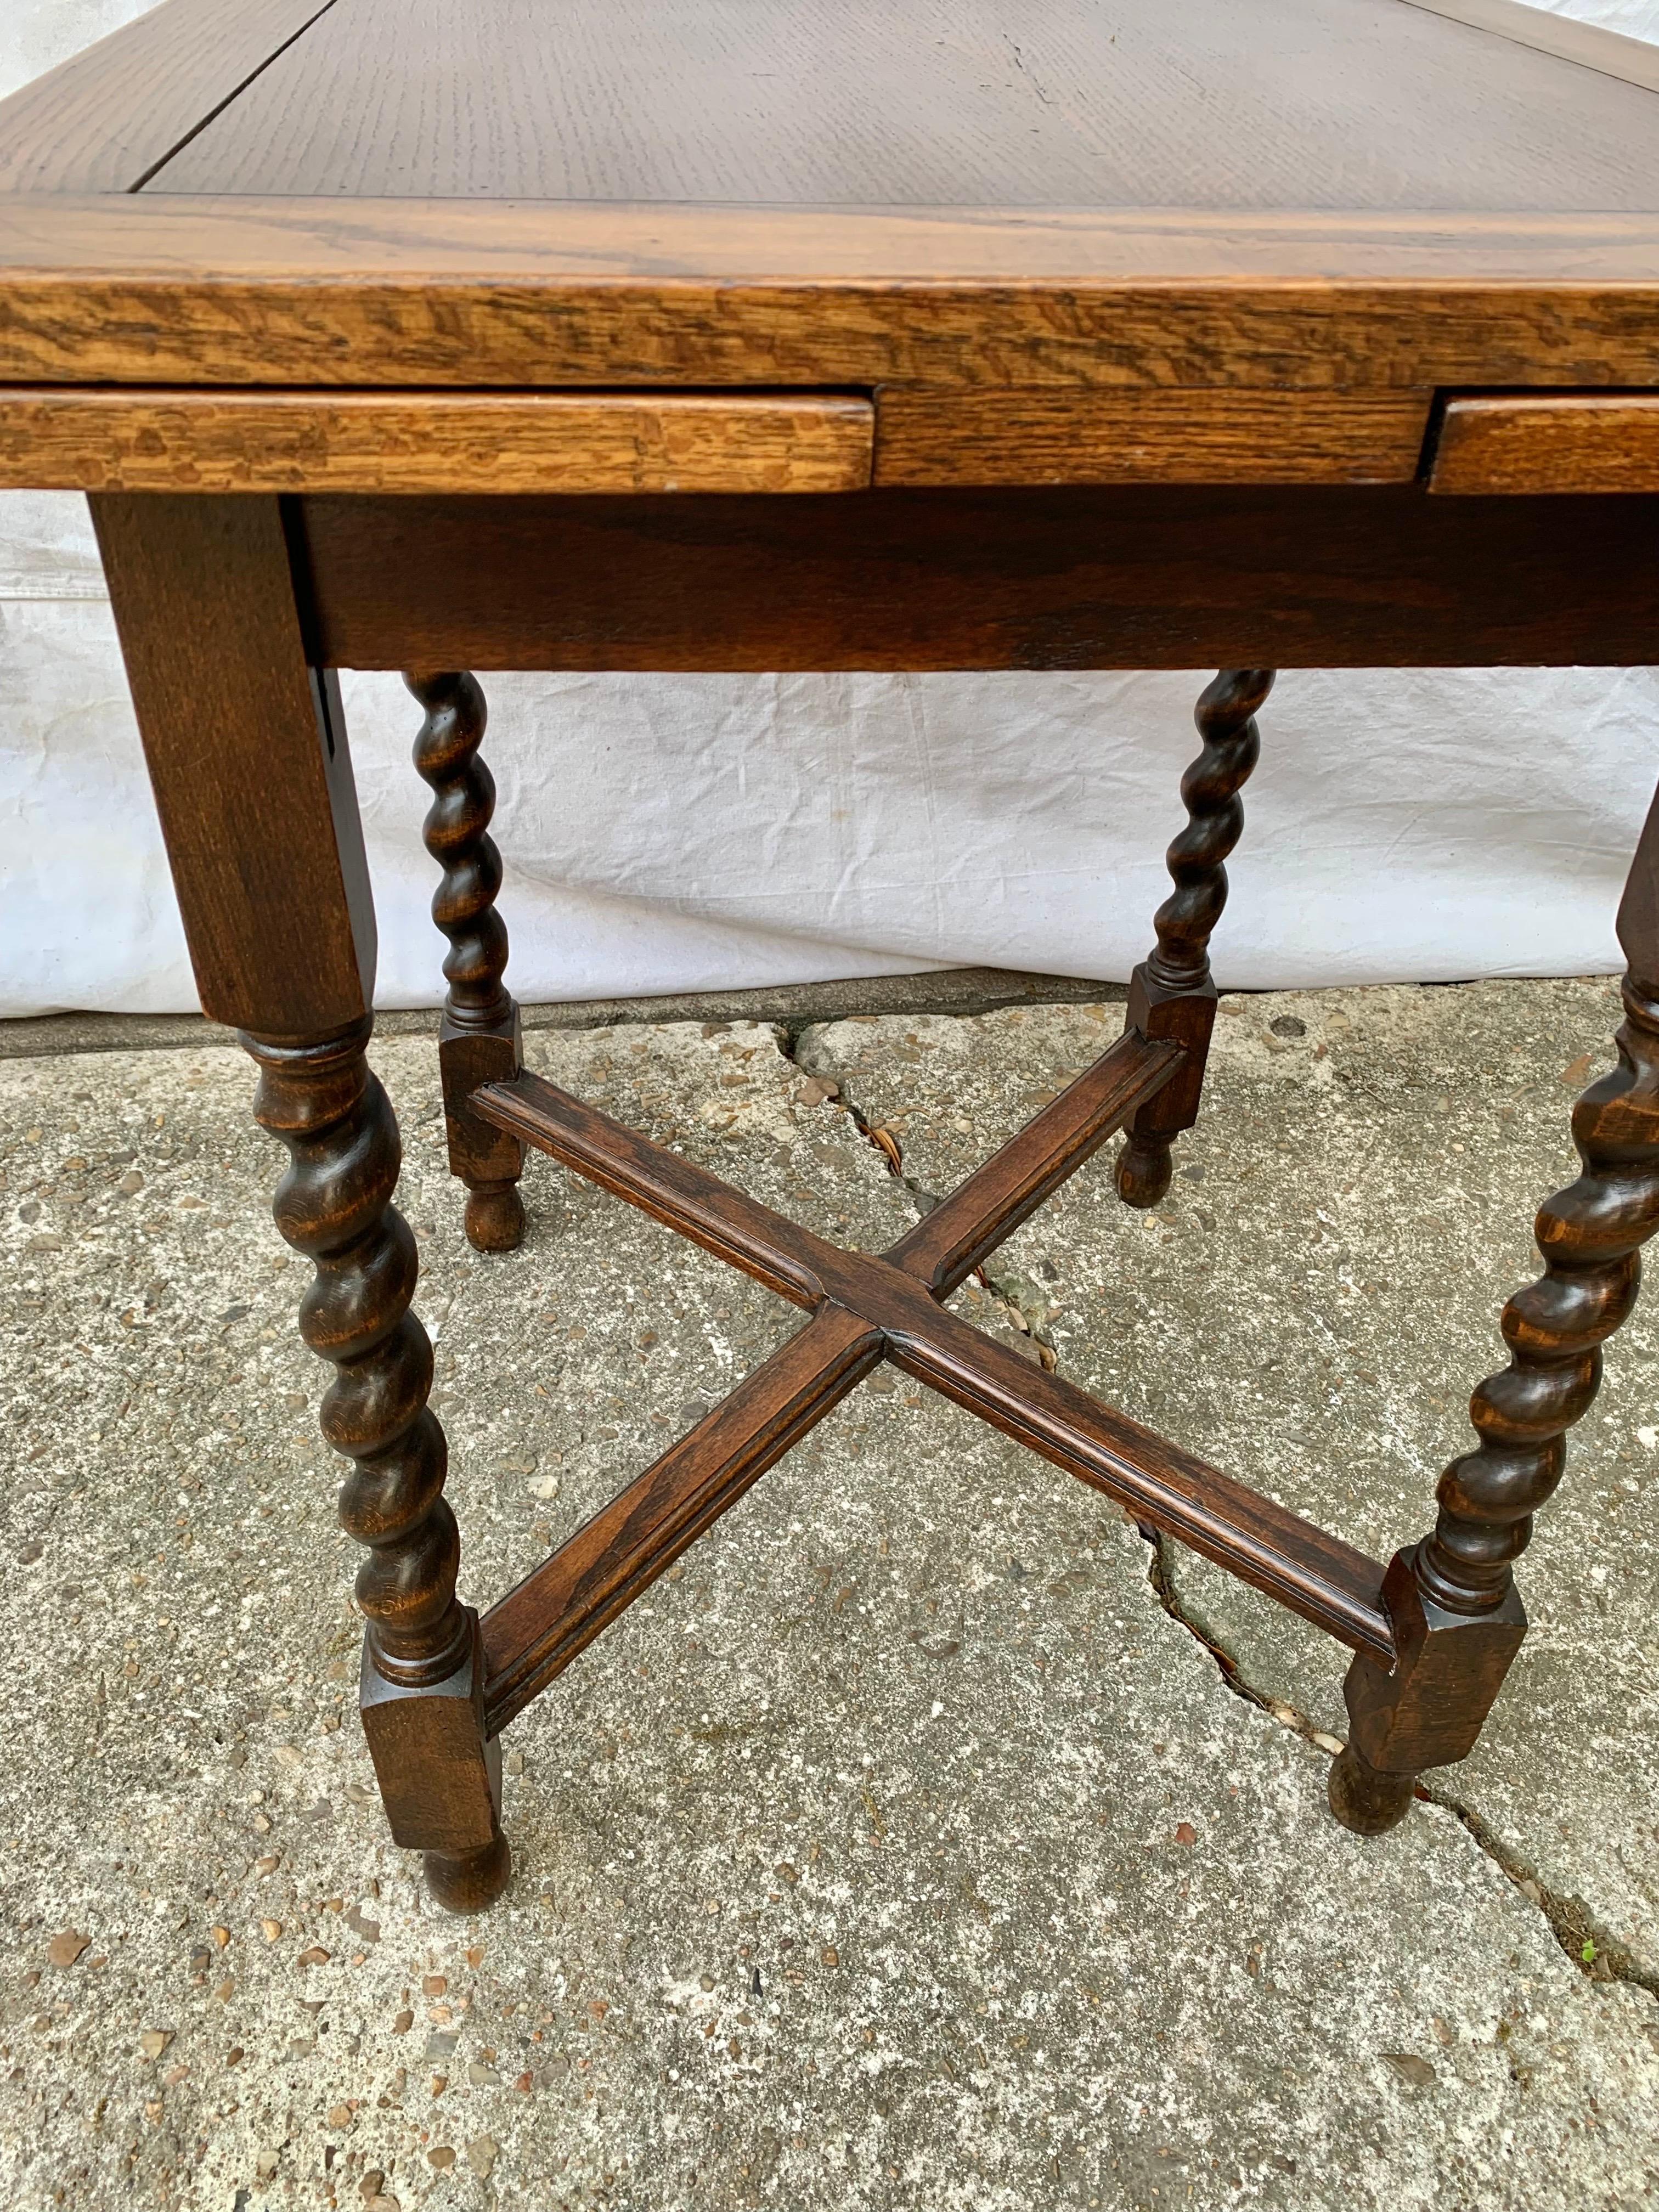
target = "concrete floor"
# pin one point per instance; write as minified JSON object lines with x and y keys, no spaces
{"x":928,"y":1838}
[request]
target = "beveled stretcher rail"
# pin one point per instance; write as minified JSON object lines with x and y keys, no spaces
{"x":865,"y":1309}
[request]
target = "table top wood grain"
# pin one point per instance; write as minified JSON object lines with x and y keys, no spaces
{"x":896,"y":197}
{"x":1221,"y":104}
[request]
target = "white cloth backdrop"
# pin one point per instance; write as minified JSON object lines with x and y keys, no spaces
{"x":669,"y":834}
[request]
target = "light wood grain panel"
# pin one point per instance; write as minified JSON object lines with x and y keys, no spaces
{"x":1151,"y":436}
{"x":232,"y":441}
{"x":319,"y":239}
{"x":103,"y":120}
{"x":1591,"y":45}
{"x":1303,"y":103}
{"x":1567,"y":442}
{"x":141,"y":290}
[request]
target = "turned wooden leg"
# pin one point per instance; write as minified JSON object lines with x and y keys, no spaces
{"x":248,"y":758}
{"x":422,"y":1684}
{"x":1173,"y":995}
{"x":1457,"y":1615}
{"x":478,"y":1042}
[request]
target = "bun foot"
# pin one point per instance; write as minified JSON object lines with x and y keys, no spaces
{"x":1142,"y":1171}
{"x":469,"y":1883}
{"x":495,"y":1217}
{"x":1366,"y":1801}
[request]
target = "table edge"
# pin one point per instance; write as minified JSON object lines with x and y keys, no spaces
{"x":173,"y":289}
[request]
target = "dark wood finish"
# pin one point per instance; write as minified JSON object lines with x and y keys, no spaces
{"x":1589,"y":1235}
{"x":535,"y":1633}
{"x":55,"y":439}
{"x":107,"y":119}
{"x":246,"y":748}
{"x":964,"y":1229}
{"x":246,"y":752}
{"x":438,"y":1766}
{"x":788,"y":1259}
{"x":1319,"y":1577}
{"x":1456,"y":1615}
{"x":1316,"y":1575}
{"x":1638,"y":910}
{"x":777,"y":101}
{"x":1428,"y":1710}
{"x":1236,"y":257}
{"x":478,"y":1040}
{"x":422,"y":1701}
{"x":1365,"y":1801}
{"x":1049,"y":436}
{"x":1125,"y":577}
{"x":1577,"y":443}
{"x":538,"y":1628}
{"x":1172,"y":995}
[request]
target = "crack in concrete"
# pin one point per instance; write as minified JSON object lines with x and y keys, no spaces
{"x":1598,"y":1955}
{"x":1024,"y":1306}
{"x":875,"y":1134}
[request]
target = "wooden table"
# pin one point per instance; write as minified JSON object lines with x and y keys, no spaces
{"x":807,"y":334}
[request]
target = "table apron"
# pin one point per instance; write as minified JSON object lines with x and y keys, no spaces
{"x":1135,"y":576}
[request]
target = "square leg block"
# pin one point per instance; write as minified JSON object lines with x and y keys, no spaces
{"x":440,"y":1777}
{"x":1449,"y":1667}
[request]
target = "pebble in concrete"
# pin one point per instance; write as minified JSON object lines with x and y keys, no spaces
{"x":899,"y":1849}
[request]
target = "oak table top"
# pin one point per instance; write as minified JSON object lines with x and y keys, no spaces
{"x":1080,"y":240}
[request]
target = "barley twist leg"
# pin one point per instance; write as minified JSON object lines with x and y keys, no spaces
{"x":421,"y":1688}
{"x":1172,"y":995}
{"x":478,"y":1042}
{"x":1456,"y":1613}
